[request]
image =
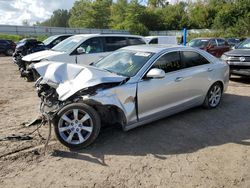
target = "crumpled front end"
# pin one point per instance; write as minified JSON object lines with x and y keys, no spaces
{"x":62,"y":84}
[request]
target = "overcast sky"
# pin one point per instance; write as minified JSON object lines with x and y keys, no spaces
{"x":14,"y":12}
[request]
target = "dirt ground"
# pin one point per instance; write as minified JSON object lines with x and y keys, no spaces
{"x":196,"y":148}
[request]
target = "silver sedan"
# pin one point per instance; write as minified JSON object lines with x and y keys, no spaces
{"x":132,"y":86}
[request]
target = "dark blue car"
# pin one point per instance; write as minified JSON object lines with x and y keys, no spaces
{"x":7,"y":47}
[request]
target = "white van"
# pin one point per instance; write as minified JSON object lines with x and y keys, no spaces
{"x":162,"y":40}
{"x":84,"y":48}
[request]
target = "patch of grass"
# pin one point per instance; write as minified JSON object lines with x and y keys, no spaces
{"x":17,"y":38}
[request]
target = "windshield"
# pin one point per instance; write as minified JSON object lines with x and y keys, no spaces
{"x":49,"y":40}
{"x":68,"y":44}
{"x":199,"y":43}
{"x":124,"y":62}
{"x":245,"y":44}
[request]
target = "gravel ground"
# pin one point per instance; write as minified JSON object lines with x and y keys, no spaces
{"x":196,"y":148}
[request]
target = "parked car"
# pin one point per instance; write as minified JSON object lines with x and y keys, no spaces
{"x":162,"y":40}
{"x":239,"y":59}
{"x":7,"y":47}
{"x":232,"y":41}
{"x":54,"y":40}
{"x":30,"y":45}
{"x":81,"y":49}
{"x":214,"y":46}
{"x":132,"y":86}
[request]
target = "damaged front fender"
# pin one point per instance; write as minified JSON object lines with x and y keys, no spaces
{"x":123,"y":97}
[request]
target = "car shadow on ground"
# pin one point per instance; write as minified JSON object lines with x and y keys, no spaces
{"x":243,"y":80}
{"x":182,"y":133}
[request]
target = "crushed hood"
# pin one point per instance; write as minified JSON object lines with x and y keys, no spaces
{"x":38,"y":56}
{"x":70,"y":78}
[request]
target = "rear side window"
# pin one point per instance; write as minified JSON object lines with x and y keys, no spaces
{"x":191,"y":59}
{"x":169,"y":62}
{"x":154,"y":41}
{"x":135,"y":41}
{"x":114,"y":43}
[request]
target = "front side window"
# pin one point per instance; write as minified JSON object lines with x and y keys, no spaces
{"x":169,"y":62}
{"x":124,"y":62}
{"x":92,"y":45}
{"x":191,"y":59}
{"x":114,"y":43}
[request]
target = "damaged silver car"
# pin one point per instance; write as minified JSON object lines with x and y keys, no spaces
{"x":131,"y":87}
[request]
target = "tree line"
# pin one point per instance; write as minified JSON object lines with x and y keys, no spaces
{"x":230,"y":17}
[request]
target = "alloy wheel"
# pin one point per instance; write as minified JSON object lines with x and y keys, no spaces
{"x":75,"y":126}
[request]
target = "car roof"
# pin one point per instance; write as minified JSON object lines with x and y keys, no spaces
{"x":154,"y":48}
{"x":100,"y":34}
{"x":60,"y":35}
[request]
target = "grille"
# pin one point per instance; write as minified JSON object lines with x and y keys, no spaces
{"x":232,"y":59}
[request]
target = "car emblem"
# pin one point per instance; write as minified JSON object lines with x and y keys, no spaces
{"x":242,"y":59}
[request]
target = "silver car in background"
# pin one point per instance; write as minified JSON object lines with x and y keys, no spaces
{"x":132,"y":86}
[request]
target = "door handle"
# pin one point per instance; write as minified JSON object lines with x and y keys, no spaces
{"x":178,"y":79}
{"x":210,"y":69}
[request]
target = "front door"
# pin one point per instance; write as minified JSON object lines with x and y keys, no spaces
{"x":157,"y":95}
{"x":93,"y":51}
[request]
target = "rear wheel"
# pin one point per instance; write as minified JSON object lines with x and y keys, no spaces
{"x":213,"y":97}
{"x":77,"y":125}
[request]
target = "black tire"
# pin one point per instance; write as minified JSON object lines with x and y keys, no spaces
{"x":207,"y":103}
{"x":96,"y":125}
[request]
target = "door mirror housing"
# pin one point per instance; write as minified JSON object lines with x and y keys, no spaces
{"x":155,"y":73}
{"x":80,"y":50}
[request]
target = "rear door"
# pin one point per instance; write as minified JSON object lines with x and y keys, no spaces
{"x":197,"y":73}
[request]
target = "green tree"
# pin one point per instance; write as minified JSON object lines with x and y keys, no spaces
{"x":91,"y":14}
{"x":175,"y":16}
{"x":59,"y":18}
{"x":118,"y":14}
{"x":133,"y":17}
{"x":201,"y":15}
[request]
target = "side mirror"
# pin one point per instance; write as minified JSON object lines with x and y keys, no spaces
{"x":155,"y":73}
{"x":80,"y":50}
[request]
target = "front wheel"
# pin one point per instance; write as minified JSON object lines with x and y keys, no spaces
{"x":214,"y":96}
{"x":77,"y":125}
